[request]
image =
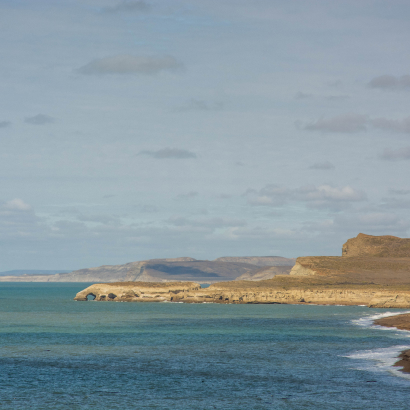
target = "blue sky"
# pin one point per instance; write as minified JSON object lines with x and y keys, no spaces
{"x":140,"y":129}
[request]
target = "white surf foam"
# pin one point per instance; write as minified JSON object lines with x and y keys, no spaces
{"x":381,"y":360}
{"x":367,"y":321}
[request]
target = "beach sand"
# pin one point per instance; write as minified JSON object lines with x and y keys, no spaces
{"x":400,"y":322}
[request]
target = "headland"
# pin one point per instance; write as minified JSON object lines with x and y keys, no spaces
{"x":373,"y":271}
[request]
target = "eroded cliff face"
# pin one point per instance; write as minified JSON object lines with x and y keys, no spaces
{"x":135,"y":291}
{"x":377,"y":246}
{"x":366,"y":258}
{"x":245,"y":293}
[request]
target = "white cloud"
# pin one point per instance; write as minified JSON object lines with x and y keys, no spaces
{"x":208,"y":225}
{"x":321,"y":196}
{"x":373,"y":222}
{"x":16,"y":205}
{"x":347,"y":123}
{"x":129,"y":64}
{"x":390,"y":82}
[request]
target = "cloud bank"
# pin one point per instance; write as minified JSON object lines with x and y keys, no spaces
{"x":323,"y":196}
{"x":347,"y":123}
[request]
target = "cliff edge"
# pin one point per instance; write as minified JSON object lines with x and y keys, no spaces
{"x":382,"y":260}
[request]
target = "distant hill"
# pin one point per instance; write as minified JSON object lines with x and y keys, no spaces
{"x":266,"y":272}
{"x":18,"y":272}
{"x":164,"y":270}
{"x":259,"y":260}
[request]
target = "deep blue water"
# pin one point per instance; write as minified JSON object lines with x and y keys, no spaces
{"x":59,"y":354}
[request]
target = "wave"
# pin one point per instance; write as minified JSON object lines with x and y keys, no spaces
{"x":380,"y":360}
{"x":367,"y":321}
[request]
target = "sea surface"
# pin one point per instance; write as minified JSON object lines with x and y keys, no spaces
{"x":56,"y":353}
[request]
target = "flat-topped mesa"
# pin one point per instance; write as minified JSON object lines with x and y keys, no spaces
{"x":386,"y":246}
{"x":135,"y":291}
{"x":366,"y":259}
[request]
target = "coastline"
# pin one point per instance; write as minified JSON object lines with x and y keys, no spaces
{"x":401,"y":322}
{"x":281,"y":289}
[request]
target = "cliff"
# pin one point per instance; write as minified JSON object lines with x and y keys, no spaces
{"x":373,"y":271}
{"x":270,"y":291}
{"x":383,"y":260}
{"x":377,"y":246}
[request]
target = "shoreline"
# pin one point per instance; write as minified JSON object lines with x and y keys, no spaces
{"x":401,"y":322}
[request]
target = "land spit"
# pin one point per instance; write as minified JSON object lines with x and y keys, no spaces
{"x":245,"y":292}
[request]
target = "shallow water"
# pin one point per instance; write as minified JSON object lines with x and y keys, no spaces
{"x":59,"y":354}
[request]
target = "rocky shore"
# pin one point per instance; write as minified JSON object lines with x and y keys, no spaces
{"x":400,"y":322}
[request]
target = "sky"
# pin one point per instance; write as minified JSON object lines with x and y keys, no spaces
{"x":133,"y":130}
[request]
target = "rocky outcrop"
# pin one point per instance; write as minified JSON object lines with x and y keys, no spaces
{"x":377,"y":246}
{"x":371,"y":259}
{"x":135,"y":291}
{"x":302,"y":270}
{"x":247,"y":293}
{"x":268,"y":272}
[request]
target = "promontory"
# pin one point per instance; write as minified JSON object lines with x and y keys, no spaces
{"x":372,"y":271}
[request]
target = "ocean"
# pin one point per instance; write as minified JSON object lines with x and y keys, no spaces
{"x":56,"y":353}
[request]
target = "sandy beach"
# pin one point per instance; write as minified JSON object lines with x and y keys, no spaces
{"x":400,"y":322}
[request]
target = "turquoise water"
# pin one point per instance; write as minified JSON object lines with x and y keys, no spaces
{"x":59,"y":354}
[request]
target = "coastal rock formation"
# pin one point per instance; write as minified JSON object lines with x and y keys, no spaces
{"x":377,"y":246}
{"x":135,"y":291}
{"x":376,"y":276}
{"x":372,"y":259}
{"x":243,"y":292}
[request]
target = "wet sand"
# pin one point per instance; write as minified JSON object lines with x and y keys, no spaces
{"x":400,"y":322}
